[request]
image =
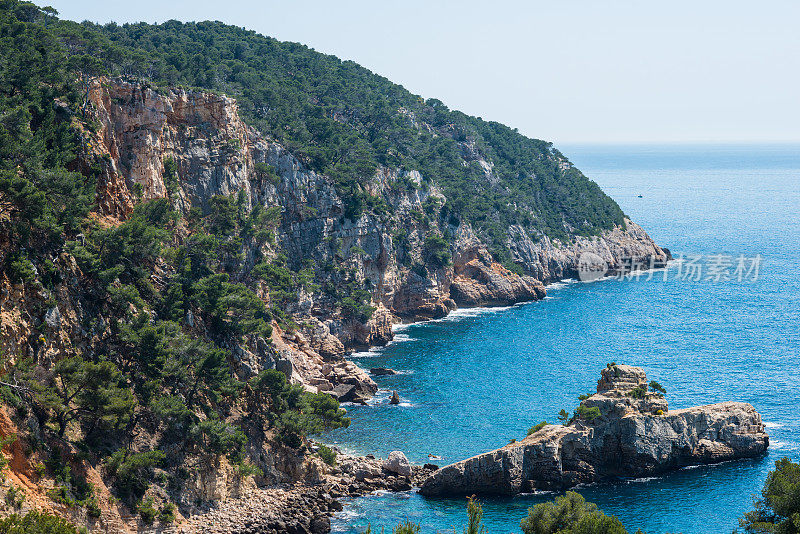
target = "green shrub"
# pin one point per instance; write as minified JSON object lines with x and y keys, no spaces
{"x":147,"y":511}
{"x":563,"y":417}
{"x":70,"y":489}
{"x":537,"y":427}
{"x":14,"y":497}
{"x":215,"y":436}
{"x":639,"y":392}
{"x":167,"y":513}
{"x":170,"y":176}
{"x":436,"y":251}
{"x":267,"y":172}
{"x":20,"y":269}
{"x":5,"y":442}
{"x":585,"y":413}
{"x":327,"y":454}
{"x":570,"y":514}
{"x":474,"y":517}
{"x":406,"y":527}
{"x":132,"y":471}
{"x":36,"y":522}
{"x":93,"y":508}
{"x":657,"y":388}
{"x":778,"y":509}
{"x":246,"y":469}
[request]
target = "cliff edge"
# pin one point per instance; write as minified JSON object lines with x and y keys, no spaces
{"x":623,"y":430}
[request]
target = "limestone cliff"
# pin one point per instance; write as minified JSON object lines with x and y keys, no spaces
{"x":631,"y":434}
{"x":215,"y":153}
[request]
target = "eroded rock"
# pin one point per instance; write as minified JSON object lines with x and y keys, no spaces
{"x":634,"y":435}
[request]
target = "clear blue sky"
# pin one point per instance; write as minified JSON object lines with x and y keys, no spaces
{"x":563,"y":70}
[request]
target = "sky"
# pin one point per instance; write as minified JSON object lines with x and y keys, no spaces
{"x":568,"y":71}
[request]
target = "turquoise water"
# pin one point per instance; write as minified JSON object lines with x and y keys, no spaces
{"x":475,"y":380}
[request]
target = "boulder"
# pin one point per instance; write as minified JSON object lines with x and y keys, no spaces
{"x":343,"y":392}
{"x":397,"y":463}
{"x":395,"y":398}
{"x":631,"y":437}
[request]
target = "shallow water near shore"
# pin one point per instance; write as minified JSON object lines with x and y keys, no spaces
{"x":478,"y":378}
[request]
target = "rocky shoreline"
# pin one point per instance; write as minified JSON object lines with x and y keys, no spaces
{"x":631,"y":433}
{"x":385,"y":260}
{"x":308,"y":507}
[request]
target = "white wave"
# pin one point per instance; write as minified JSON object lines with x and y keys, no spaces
{"x":399,"y":327}
{"x":407,"y":405}
{"x":402,"y":338}
{"x":605,"y":278}
{"x":642,"y":479}
{"x":769,"y":424}
{"x":348,"y":514}
{"x":561,"y":284}
{"x":381,"y":396}
{"x":781,"y":445}
{"x":371,"y":353}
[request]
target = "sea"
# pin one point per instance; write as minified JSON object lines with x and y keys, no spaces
{"x":720,"y":323}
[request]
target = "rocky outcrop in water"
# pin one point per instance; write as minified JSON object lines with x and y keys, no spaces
{"x":621,"y":431}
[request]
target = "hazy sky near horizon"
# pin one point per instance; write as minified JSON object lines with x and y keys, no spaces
{"x":569,"y":71}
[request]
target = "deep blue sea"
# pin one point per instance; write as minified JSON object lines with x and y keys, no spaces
{"x":478,"y":378}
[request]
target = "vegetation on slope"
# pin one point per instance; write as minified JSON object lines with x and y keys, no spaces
{"x":138,"y":366}
{"x":778,"y":509}
{"x":344,"y":121}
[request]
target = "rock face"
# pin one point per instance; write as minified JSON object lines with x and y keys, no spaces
{"x":145,"y":133}
{"x":631,"y":437}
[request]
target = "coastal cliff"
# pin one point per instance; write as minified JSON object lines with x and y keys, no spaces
{"x":621,"y":431}
{"x":213,"y":152}
{"x":184,"y":272}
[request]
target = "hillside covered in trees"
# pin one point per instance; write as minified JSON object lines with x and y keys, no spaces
{"x":344,"y":121}
{"x":187,"y":336}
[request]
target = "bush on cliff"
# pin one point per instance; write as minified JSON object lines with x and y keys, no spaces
{"x":778,"y":509}
{"x":638,"y":392}
{"x":36,"y":522}
{"x":327,"y":454}
{"x":585,"y":413}
{"x":570,"y":514}
{"x":537,"y":427}
{"x":343,"y":120}
{"x":295,"y":413}
{"x":657,"y":388}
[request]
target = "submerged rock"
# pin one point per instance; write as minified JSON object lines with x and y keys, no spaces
{"x":382,"y":371}
{"x":631,"y":433}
